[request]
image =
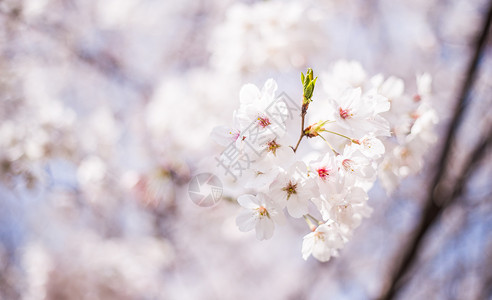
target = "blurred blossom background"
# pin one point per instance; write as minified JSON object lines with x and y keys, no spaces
{"x":106,"y":109}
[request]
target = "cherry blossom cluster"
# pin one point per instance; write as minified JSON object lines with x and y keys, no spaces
{"x":411,"y":117}
{"x":322,"y":172}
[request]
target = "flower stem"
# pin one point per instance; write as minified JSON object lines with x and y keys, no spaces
{"x":339,"y":134}
{"x":303,"y":116}
{"x":331,"y":147}
{"x":312,"y":227}
{"x":314,"y":219}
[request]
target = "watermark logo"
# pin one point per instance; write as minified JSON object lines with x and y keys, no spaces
{"x":205,"y":190}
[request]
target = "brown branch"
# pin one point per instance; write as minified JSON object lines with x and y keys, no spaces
{"x":303,"y":116}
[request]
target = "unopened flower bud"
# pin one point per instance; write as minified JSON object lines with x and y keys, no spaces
{"x":308,"y":83}
{"x":315,"y":129}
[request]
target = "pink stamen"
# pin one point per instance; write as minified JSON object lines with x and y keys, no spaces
{"x":264,"y":121}
{"x":345,"y":113}
{"x":347,"y":164}
{"x":323,"y":173}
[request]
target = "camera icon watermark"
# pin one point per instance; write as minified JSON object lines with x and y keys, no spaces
{"x":205,"y":189}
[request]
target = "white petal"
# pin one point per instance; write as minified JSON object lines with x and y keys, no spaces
{"x":307,"y":245}
{"x":269,"y":90}
{"x":356,"y":195}
{"x":246,"y":221}
{"x":297,"y":207}
{"x":322,"y":252}
{"x":375,"y":146}
{"x":249,"y":94}
{"x":248,"y":201}
{"x":277,"y":215}
{"x":264,"y":228}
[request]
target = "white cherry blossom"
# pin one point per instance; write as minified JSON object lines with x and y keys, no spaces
{"x":364,"y":129}
{"x":293,"y":189}
{"x":359,"y":114}
{"x":323,"y":243}
{"x":261,"y":214}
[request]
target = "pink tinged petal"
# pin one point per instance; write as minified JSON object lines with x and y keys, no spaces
{"x":246,"y":221}
{"x":264,"y":228}
{"x":248,"y":201}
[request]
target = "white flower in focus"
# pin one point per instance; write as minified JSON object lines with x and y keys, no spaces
{"x":257,"y":122}
{"x":261,"y":215}
{"x":259,"y":176}
{"x":349,"y":209}
{"x":294,"y":189}
{"x":323,"y":243}
{"x":370,"y":147}
{"x":353,"y":164}
{"x":345,"y":204}
{"x":326,"y":172}
{"x":360,"y":114}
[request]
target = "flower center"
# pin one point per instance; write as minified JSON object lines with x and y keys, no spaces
{"x":273,"y":146}
{"x":263,"y":121}
{"x":235,"y":134}
{"x":345,"y":113}
{"x":262,"y":211}
{"x":319,"y":236}
{"x":290,"y":189}
{"x":323,"y":173}
{"x":342,"y":207}
{"x":367,"y":143}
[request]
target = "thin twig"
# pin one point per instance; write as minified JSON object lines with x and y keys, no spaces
{"x":303,"y":116}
